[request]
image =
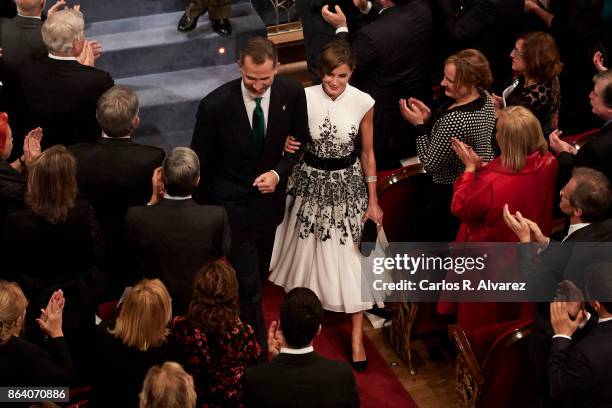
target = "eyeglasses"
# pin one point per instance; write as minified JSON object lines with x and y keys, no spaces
{"x":518,"y":53}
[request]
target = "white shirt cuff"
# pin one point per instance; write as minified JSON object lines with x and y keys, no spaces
{"x":368,"y":8}
{"x":341,"y":30}
{"x":562,"y":335}
{"x":277,"y":176}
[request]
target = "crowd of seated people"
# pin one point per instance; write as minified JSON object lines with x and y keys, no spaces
{"x":85,"y":211}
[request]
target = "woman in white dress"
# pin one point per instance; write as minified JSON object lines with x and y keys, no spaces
{"x":330,"y":194}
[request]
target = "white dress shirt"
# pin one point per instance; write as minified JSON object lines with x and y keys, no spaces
{"x":304,"y":350}
{"x":249,"y":104}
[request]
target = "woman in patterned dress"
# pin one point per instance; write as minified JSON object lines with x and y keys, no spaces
{"x":330,"y":194}
{"x":466,"y":113}
{"x":214,"y":345}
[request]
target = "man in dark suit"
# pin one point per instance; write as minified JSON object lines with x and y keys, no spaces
{"x":60,"y":92}
{"x":114,"y":173}
{"x":579,"y":370}
{"x":173,"y":236}
{"x":585,"y":200}
{"x":490,"y":26}
{"x":297,"y":376}
{"x":596,"y":154}
{"x":239,"y":134}
{"x":394,"y":60}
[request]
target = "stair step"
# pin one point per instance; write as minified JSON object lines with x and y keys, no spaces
{"x":103,"y":10}
{"x":152,"y":44}
{"x":169,"y":101}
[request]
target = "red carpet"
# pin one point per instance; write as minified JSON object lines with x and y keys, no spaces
{"x":378,"y":386}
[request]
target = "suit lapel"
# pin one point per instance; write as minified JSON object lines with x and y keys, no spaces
{"x":238,"y":114}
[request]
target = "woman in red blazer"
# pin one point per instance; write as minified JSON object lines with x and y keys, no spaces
{"x":523,"y":177}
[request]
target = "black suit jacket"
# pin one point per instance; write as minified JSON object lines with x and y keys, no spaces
{"x":61,"y":97}
{"x":579,"y":372}
{"x":223,"y":140}
{"x":490,"y":26}
{"x":115,"y":174}
{"x":596,"y":154}
{"x":301,"y":380}
{"x":12,"y":189}
{"x":394,"y":53}
{"x":173,"y":239}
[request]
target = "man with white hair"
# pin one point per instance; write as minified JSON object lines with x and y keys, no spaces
{"x":60,"y":92}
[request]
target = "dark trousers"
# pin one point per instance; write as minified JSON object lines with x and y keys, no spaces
{"x":250,"y":256}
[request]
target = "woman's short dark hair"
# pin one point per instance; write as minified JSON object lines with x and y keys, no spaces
{"x":214,"y":304}
{"x":52,"y":187}
{"x":541,"y":56}
{"x":334,"y":54}
{"x":300,"y":317}
{"x":471,"y":69}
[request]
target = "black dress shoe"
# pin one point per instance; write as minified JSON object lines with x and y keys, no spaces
{"x":222,"y":26}
{"x":360,"y":366}
{"x":187,"y":23}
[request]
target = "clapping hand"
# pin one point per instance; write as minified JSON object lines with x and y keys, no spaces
{"x":275,"y":339}
{"x":569,"y":293}
{"x":414,"y":111}
{"x":466,"y":154}
{"x":157,"y":183}
{"x":50,"y":320}
{"x":335,"y":19}
{"x":560,"y":318}
{"x":598,"y":62}
{"x":557,"y":145}
{"x":498,"y":101}
{"x":31,"y":146}
{"x":86,"y":57}
{"x":525,"y":229}
{"x":59,"y":5}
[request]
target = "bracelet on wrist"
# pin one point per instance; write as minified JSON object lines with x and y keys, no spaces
{"x":371,"y":179}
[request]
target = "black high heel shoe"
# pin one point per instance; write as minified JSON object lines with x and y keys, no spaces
{"x":360,"y":366}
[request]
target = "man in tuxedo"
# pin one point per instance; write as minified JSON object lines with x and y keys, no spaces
{"x":173,"y":236}
{"x":60,"y":92}
{"x":585,"y":200}
{"x":394,"y":61}
{"x":114,"y":173}
{"x":297,"y":376}
{"x":579,"y":370}
{"x":218,"y":13}
{"x":240,"y":132}
{"x":596,"y":154}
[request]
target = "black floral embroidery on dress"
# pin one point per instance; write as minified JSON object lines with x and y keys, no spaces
{"x":330,"y":199}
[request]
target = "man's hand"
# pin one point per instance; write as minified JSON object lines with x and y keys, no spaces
{"x":86,"y":57}
{"x":598,"y":61}
{"x":96,"y":48}
{"x":557,"y":145}
{"x":362,"y":5}
{"x":50,"y":320}
{"x":560,"y":319}
{"x":337,"y":19}
{"x":266,"y":183}
{"x":31,"y":146}
{"x":569,"y":293}
{"x":275,"y":340}
{"x":158,"y":187}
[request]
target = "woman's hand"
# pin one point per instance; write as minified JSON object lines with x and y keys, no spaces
{"x":498,"y":101}
{"x":414,"y":111}
{"x":374,"y":212}
{"x":291,"y":145}
{"x":465,"y":153}
{"x":598,"y":62}
{"x":50,"y":320}
{"x":31,"y":146}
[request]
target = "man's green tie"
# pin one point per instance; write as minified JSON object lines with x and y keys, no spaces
{"x":259,"y":124}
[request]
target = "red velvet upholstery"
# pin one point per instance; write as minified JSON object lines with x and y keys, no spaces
{"x":108,"y":310}
{"x":79,"y":397}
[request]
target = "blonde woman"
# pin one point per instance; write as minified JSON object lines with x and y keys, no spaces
{"x":125,"y":349}
{"x":168,"y":386}
{"x":23,"y":363}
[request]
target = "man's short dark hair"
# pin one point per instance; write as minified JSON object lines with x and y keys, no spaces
{"x":180,"y":169}
{"x":591,"y":195}
{"x":300,"y":317}
{"x":599,"y":284}
{"x":259,"y":49}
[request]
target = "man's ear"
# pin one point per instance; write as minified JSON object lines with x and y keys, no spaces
{"x":276,"y":67}
{"x":197,"y":181}
{"x":319,"y":330}
{"x":135,"y":122}
{"x":578,"y":212}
